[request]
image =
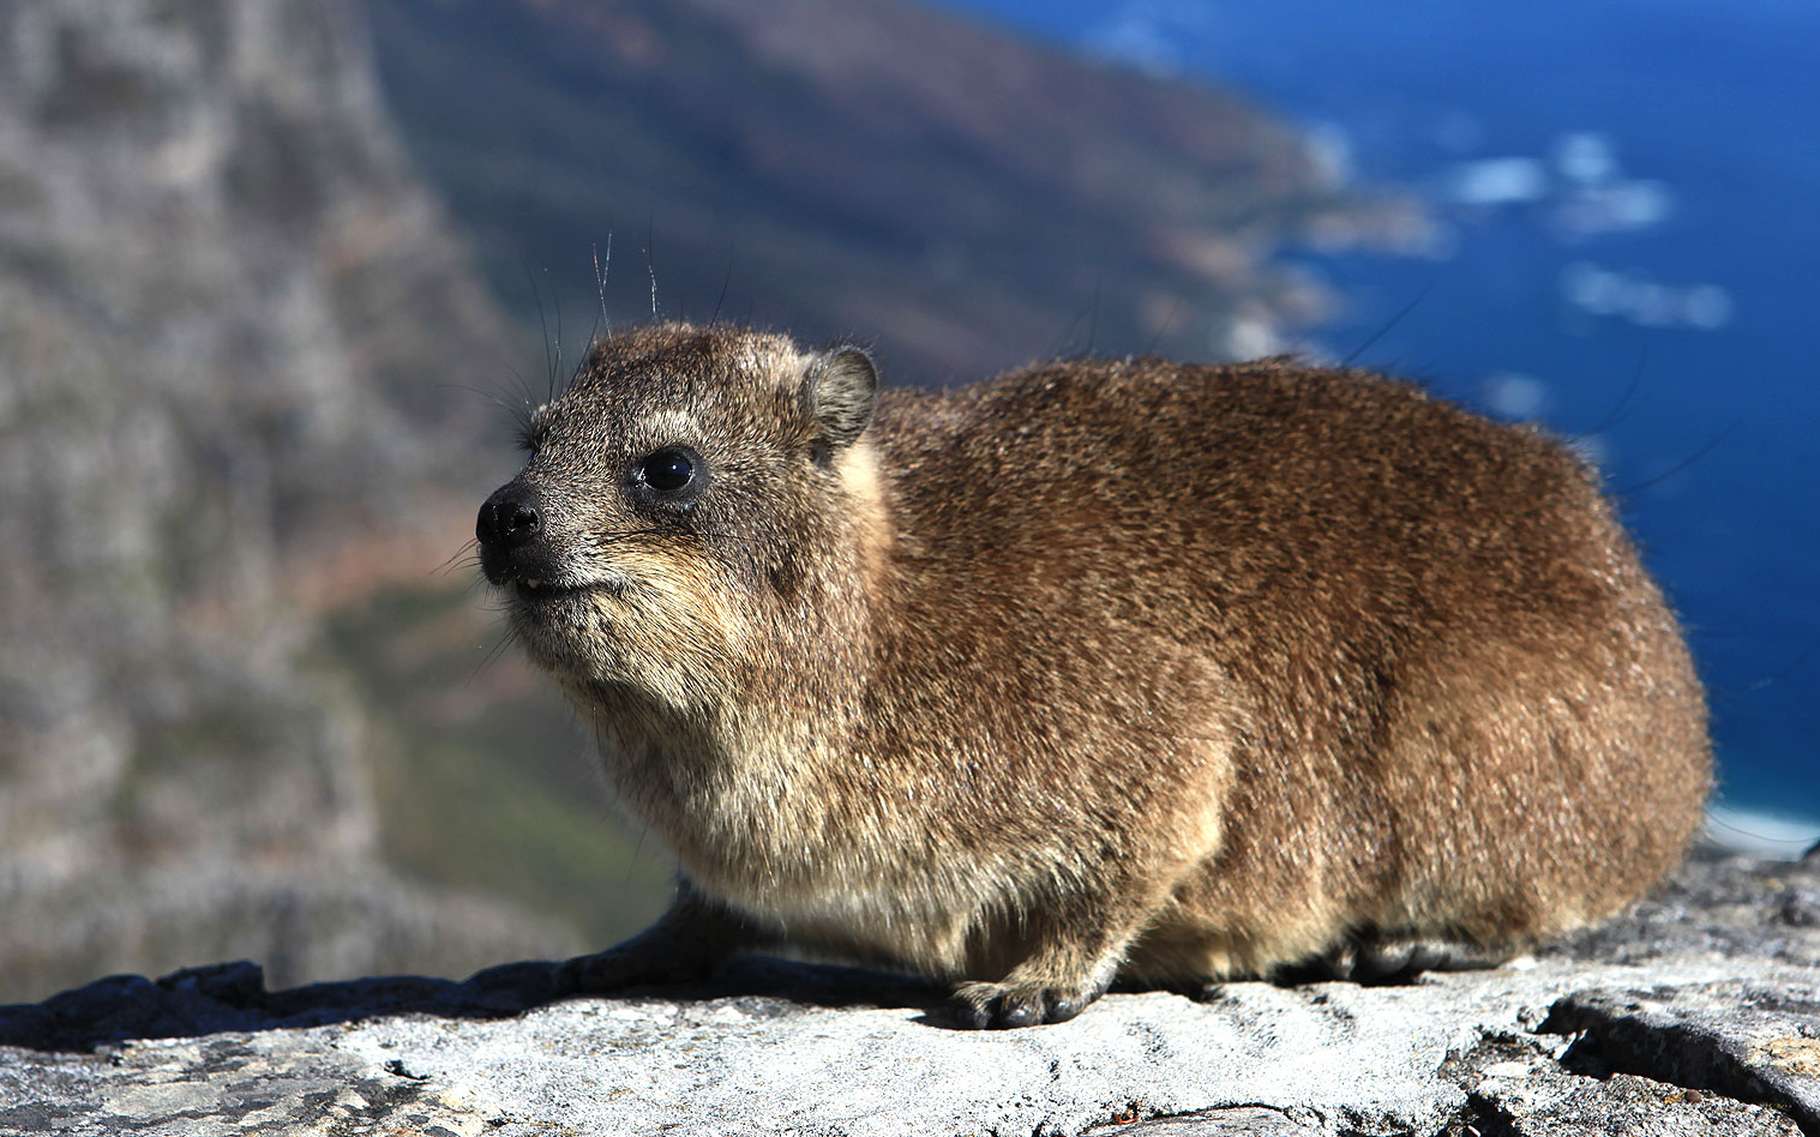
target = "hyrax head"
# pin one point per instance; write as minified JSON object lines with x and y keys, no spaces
{"x":689,"y":501}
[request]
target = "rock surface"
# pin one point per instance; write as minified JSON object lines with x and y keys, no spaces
{"x":1698,"y":1013}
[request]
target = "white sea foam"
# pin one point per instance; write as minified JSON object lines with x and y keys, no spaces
{"x":1517,"y":396}
{"x":1613,"y":207}
{"x":1249,"y":338}
{"x":1761,"y":833}
{"x":1330,"y":148}
{"x":1498,"y":181}
{"x":1586,"y":158}
{"x":1601,"y":291}
{"x":1707,"y":306}
{"x":1139,"y":36}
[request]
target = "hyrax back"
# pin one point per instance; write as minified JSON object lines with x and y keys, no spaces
{"x":1097,"y":669}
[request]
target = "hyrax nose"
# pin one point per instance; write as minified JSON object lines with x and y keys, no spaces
{"x":509,"y":518}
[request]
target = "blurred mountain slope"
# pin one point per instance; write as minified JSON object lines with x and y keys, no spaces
{"x":965,"y":199}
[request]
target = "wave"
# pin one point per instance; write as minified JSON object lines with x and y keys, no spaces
{"x":1761,"y":833}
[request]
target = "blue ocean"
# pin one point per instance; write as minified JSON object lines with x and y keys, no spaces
{"x":1628,"y":251}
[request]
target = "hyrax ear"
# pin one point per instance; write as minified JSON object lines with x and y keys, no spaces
{"x":839,"y":391}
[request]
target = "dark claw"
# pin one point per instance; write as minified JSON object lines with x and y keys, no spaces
{"x":1010,"y":1012}
{"x":983,"y":1008}
{"x":1063,"y":1009}
{"x":1207,"y":993}
{"x":969,"y":1015}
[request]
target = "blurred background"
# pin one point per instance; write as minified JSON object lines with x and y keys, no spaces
{"x":268,"y":271}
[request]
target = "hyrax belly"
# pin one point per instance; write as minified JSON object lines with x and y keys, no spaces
{"x":1095,"y":670}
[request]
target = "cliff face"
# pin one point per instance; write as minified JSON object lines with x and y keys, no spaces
{"x":225,"y":311}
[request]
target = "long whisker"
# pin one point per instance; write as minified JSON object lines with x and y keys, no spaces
{"x":1385,"y":329}
{"x":520,"y":413}
{"x":722,"y":298}
{"x":526,"y":393}
{"x":498,"y":649}
{"x":1663,"y":475}
{"x":464,"y":566}
{"x":601,"y":269}
{"x":543,"y":325}
{"x":1163,"y":329}
{"x":556,"y":370}
{"x":1617,"y":412}
{"x":449,"y":565}
{"x":651,"y":261}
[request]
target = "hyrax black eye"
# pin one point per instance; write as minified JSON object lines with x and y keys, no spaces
{"x":669,"y":470}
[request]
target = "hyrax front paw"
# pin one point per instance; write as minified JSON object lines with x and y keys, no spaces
{"x":998,"y":1006}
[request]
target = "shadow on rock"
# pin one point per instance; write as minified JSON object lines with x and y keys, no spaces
{"x":233,"y":997}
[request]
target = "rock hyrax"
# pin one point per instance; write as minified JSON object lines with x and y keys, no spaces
{"x":1097,"y":670}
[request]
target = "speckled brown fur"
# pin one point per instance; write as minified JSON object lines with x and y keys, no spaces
{"x":1100,"y":669}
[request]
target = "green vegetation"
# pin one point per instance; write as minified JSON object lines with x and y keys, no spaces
{"x":483,"y":779}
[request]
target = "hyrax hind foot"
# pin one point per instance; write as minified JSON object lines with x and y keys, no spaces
{"x":1371,"y":960}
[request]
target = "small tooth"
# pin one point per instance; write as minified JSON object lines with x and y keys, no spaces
{"x":533,"y":583}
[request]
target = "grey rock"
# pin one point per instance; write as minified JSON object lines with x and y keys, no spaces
{"x":1707,"y":1022}
{"x":1739,"y":1037}
{"x":1235,"y":1121}
{"x":1622,"y":1106}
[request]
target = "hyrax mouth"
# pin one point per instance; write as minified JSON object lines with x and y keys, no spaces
{"x":532,"y":591}
{"x":536,"y":591}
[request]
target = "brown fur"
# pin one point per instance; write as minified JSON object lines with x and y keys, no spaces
{"x":1102,"y":668}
